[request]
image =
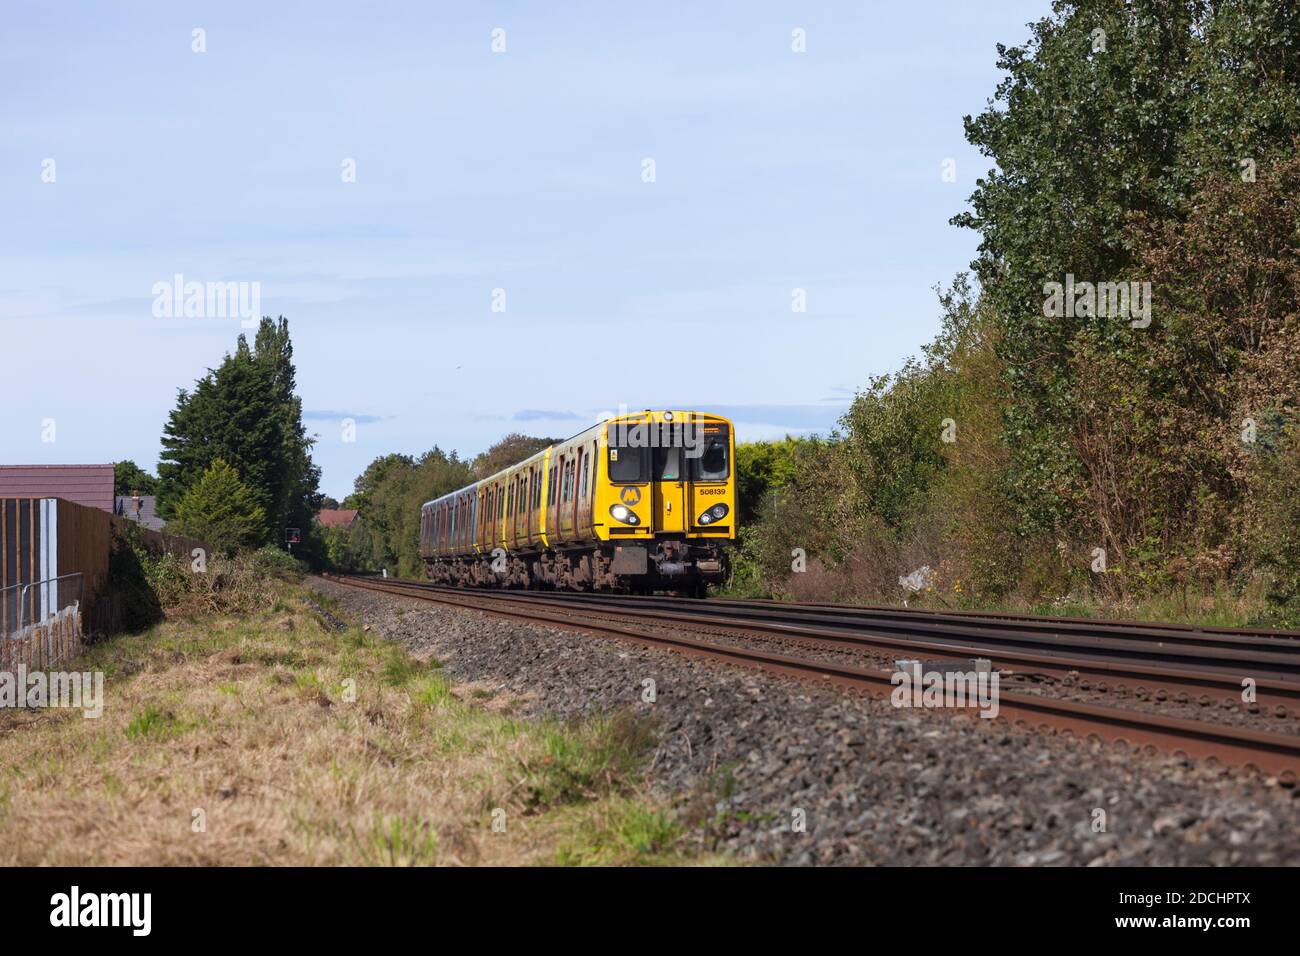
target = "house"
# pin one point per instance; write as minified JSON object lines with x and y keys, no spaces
{"x":342,"y":518}
{"x":140,"y":509}
{"x":89,"y":485}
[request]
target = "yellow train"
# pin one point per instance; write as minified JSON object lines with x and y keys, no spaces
{"x":641,"y":502}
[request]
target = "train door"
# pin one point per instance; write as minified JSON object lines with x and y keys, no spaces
{"x":532,"y":505}
{"x":557,"y":494}
{"x":586,"y":488}
{"x":516,"y":508}
{"x":530,"y":522}
{"x":668,"y":479}
{"x":508,"y":526}
{"x":518,"y":526}
{"x":499,"y":539}
{"x":484,"y":524}
{"x":579,"y":462}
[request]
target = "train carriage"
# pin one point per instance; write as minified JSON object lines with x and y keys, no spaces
{"x":641,"y":502}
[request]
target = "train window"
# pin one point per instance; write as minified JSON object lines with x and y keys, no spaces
{"x":713,"y":463}
{"x":582,"y":489}
{"x":626,"y":464}
{"x":550,"y":495}
{"x":667,"y":464}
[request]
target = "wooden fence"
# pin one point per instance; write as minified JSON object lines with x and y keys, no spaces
{"x":53,"y":566}
{"x":54,"y":556}
{"x":163,"y":542}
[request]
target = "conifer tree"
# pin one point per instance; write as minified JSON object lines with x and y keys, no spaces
{"x":245,"y":413}
{"x":221,"y":510}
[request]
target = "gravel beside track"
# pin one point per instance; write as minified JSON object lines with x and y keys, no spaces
{"x":1118,"y":694}
{"x":740,"y":751}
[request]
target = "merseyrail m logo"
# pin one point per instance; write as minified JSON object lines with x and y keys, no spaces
{"x":631,"y":495}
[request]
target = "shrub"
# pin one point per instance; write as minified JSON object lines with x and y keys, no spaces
{"x":221,"y":510}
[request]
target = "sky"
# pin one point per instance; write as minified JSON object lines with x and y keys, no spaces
{"x":478,"y":218}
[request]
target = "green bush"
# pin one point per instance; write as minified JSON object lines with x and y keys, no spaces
{"x":221,"y":510}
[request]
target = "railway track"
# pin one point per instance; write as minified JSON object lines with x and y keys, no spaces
{"x":1155,"y":662}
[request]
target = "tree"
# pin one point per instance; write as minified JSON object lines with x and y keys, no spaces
{"x":764,"y":468}
{"x":221,"y":510}
{"x":295,"y":488}
{"x":1111,"y":109}
{"x":510,"y":450}
{"x":245,"y":412}
{"x":128,"y":477}
{"x":388,"y":496}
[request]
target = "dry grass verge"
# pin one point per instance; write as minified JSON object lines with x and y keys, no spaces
{"x":272,"y":739}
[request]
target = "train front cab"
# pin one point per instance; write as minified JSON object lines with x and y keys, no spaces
{"x":667,"y":498}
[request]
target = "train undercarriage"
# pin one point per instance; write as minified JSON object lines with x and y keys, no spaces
{"x":666,"y":564}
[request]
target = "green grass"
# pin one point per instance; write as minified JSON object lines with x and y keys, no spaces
{"x":407,"y":772}
{"x":152,"y":722}
{"x":401,"y":668}
{"x":625,"y":832}
{"x":580,"y":761}
{"x":430,"y":691}
{"x":397,"y":842}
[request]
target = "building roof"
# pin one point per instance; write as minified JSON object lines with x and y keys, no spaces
{"x":337,"y":517}
{"x":147,"y":516}
{"x":90,"y":485}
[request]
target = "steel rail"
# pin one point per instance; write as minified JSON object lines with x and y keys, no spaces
{"x":1221,"y":676}
{"x":1284,"y":643}
{"x":1265,"y":750}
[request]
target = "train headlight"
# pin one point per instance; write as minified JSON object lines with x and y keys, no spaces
{"x":716,"y":513}
{"x":624,"y":514}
